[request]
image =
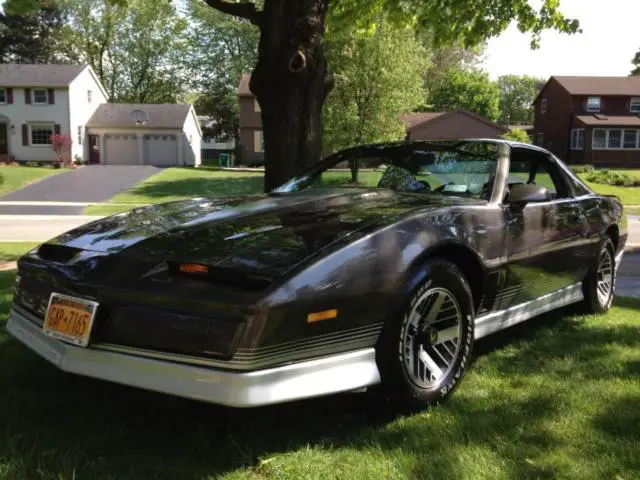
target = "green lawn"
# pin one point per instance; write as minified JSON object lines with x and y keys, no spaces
{"x":17,"y":177}
{"x":181,"y":183}
{"x":13,"y":250}
{"x":557,"y":397}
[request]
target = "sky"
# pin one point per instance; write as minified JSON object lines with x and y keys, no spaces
{"x":610,"y":39}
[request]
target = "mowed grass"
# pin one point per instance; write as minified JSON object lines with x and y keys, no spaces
{"x":555,"y":398}
{"x":18,"y":177}
{"x":183,"y":182}
{"x":10,"y":251}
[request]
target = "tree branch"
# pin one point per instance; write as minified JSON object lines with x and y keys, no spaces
{"x":242,"y":9}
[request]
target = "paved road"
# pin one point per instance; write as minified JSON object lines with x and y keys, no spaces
{"x":95,"y":183}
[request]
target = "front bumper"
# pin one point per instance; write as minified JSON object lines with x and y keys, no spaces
{"x":323,"y":376}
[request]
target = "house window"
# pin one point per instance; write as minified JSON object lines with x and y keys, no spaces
{"x":540,"y":139}
{"x":40,"y":97}
{"x":577,"y":139}
{"x":256,"y":105}
{"x":543,"y":105}
{"x":258,"y":141}
{"x":615,"y":139}
{"x":89,"y":96}
{"x":599,"y":138}
{"x":41,"y":134}
{"x":593,"y":104}
{"x":630,"y":139}
{"x":635,"y":105}
{"x":3,"y":95}
{"x":80,"y":135}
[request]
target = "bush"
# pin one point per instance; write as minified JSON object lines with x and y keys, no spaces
{"x":582,"y":168}
{"x":517,"y":135}
{"x":610,"y":177}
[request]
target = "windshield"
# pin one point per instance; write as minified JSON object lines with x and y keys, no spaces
{"x":456,"y":168}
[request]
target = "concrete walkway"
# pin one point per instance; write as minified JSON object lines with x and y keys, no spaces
{"x":91,"y":184}
{"x":38,"y":228}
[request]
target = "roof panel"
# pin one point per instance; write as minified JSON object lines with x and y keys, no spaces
{"x":627,"y":86}
{"x":167,"y":115}
{"x":43,"y":75}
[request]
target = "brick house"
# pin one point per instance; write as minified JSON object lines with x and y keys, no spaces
{"x":420,"y":126}
{"x":590,"y":120}
{"x":251,"y":139}
{"x":450,"y":125}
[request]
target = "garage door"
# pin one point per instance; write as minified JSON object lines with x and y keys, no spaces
{"x":121,"y":150}
{"x":161,"y":150}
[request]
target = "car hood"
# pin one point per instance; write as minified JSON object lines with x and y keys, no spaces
{"x":266,"y":234}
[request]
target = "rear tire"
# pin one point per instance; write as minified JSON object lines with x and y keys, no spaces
{"x":599,"y":284}
{"x":423,"y":352}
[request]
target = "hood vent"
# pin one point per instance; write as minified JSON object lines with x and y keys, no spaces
{"x":57,"y":253}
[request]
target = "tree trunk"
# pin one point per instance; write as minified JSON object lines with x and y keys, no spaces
{"x":291,"y":82}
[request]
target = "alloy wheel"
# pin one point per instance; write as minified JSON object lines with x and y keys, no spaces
{"x":605,"y":276}
{"x":431,"y":338}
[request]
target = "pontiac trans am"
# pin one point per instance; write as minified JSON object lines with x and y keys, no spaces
{"x":379,"y":266}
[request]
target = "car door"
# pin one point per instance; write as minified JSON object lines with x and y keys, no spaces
{"x":546,"y":240}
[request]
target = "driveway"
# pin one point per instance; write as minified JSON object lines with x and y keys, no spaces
{"x":95,"y":183}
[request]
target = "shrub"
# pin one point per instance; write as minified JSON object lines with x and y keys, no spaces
{"x":609,"y":177}
{"x":61,"y":144}
{"x":582,"y":168}
{"x":517,"y":135}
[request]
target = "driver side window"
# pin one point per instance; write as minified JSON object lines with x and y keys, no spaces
{"x":535,"y":168}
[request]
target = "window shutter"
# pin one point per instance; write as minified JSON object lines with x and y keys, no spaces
{"x":27,"y":95}
{"x":56,"y":129}
{"x":9,"y":95}
{"x":25,"y":134}
{"x":52,"y":96}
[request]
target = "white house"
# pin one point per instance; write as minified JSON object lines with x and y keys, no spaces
{"x":149,"y":134}
{"x":37,"y":101}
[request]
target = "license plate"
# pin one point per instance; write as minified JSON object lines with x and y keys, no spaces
{"x":69,"y":319}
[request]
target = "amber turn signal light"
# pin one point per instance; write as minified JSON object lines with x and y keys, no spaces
{"x":319,"y":316}
{"x":193,"y":268}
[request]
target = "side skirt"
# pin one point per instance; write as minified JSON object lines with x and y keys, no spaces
{"x":496,"y":321}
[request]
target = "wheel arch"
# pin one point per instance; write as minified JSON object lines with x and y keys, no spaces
{"x":466,"y":259}
{"x":614,"y":234}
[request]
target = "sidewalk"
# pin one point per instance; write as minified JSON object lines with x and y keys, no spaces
{"x":39,"y":228}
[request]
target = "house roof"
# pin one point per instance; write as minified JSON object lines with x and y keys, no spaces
{"x":41,"y":75}
{"x":600,"y":85}
{"x":609,"y":120}
{"x":243,"y":87}
{"x":167,"y":115}
{"x":412,"y":120}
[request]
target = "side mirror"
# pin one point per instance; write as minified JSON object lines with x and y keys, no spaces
{"x":521,"y":193}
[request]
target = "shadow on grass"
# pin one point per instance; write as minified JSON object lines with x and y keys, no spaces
{"x":202,"y":187}
{"x":55,"y":425}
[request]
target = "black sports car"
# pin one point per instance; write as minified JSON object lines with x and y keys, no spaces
{"x":325,"y":284}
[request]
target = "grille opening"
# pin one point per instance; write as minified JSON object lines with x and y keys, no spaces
{"x":57,"y":253}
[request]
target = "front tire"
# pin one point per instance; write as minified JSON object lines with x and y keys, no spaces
{"x":423,"y":354}
{"x":599,"y":284}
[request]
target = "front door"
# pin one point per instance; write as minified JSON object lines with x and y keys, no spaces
{"x":4,"y":147}
{"x":94,"y":149}
{"x":546,"y":244}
